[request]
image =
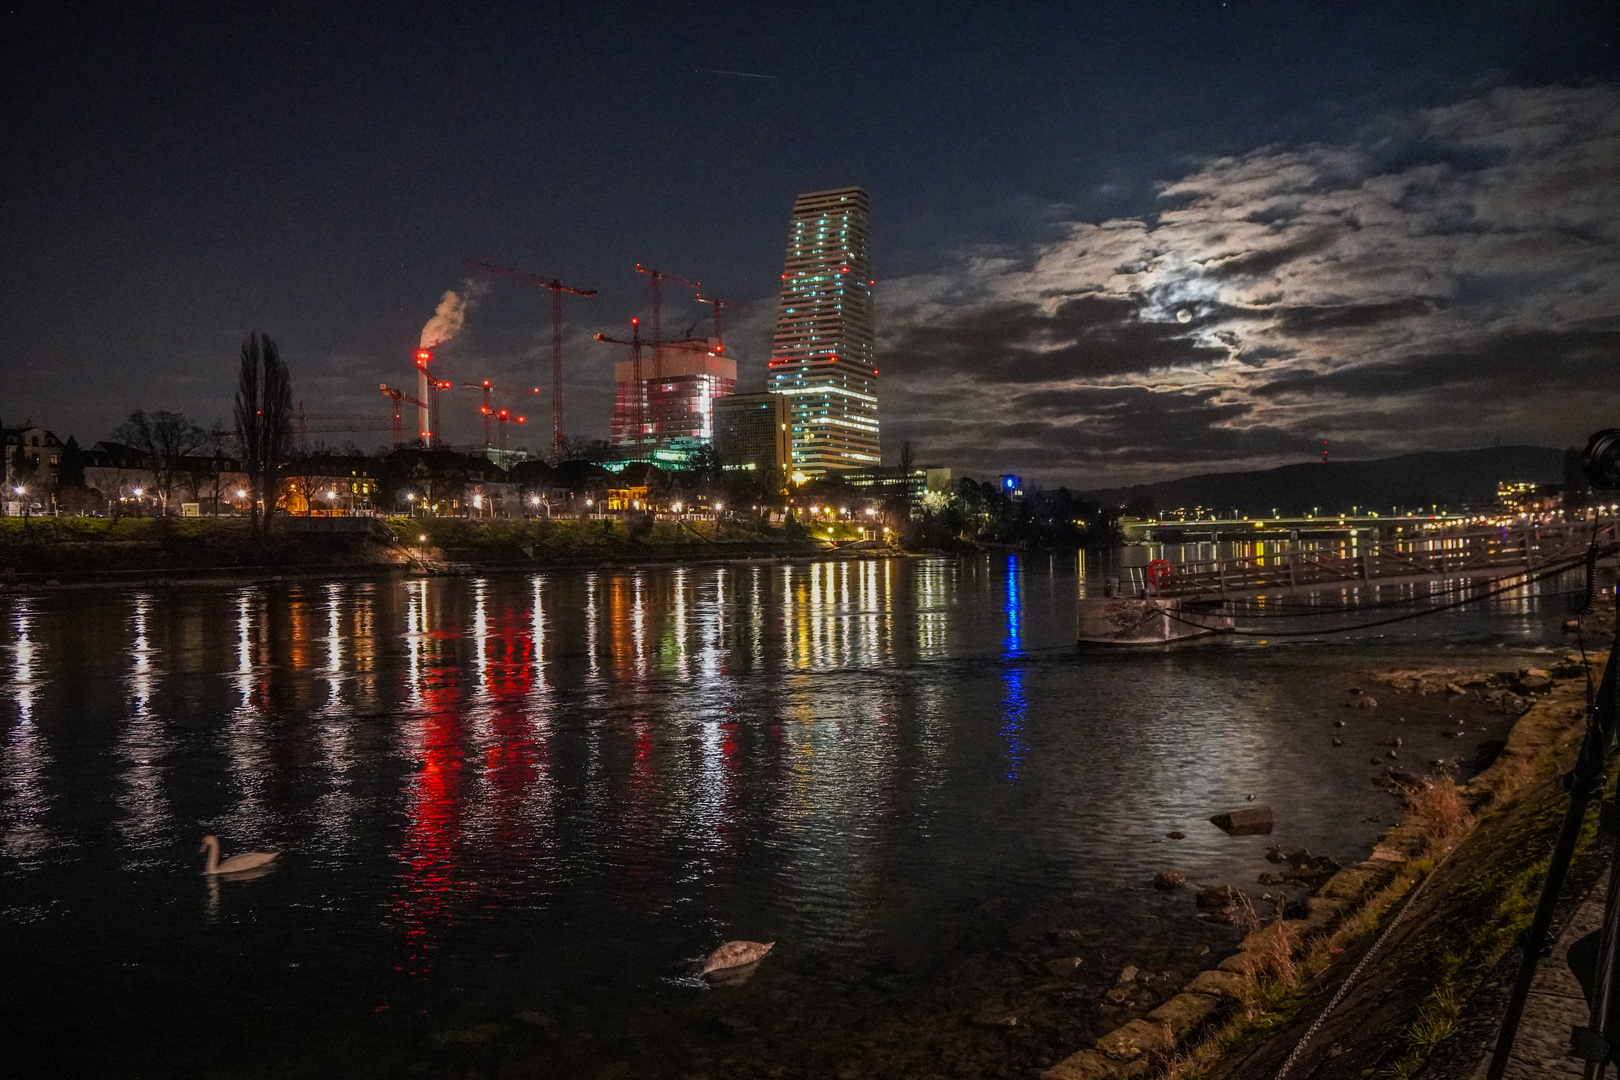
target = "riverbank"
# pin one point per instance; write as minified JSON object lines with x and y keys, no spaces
{"x":1413,"y":946}
{"x":79,"y":551}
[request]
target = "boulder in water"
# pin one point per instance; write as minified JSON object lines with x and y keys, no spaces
{"x":1249,"y":821}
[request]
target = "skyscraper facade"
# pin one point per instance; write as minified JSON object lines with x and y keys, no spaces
{"x":823,"y":352}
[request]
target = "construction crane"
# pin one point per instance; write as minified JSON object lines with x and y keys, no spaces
{"x":504,"y":417}
{"x":720,"y":305}
{"x":640,"y":384}
{"x":656,"y":278}
{"x":332,"y":423}
{"x":487,"y":409}
{"x":639,"y":412}
{"x":401,"y":398}
{"x":557,"y":289}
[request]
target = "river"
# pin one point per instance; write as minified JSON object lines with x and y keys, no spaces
{"x":516,"y":811}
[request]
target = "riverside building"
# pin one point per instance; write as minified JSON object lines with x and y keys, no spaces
{"x":823,"y":351}
{"x":751,"y":435}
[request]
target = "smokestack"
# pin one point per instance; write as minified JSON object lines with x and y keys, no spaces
{"x":424,"y":388}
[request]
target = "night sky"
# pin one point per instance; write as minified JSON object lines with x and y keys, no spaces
{"x":1113,"y":241}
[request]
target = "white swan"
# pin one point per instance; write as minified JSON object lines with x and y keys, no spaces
{"x":248,"y":860}
{"x":734,"y":954}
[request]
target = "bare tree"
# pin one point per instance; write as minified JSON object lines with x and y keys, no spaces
{"x":264,"y":418}
{"x":164,"y":440}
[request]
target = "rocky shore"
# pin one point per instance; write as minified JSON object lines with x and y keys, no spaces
{"x":1252,"y":1013}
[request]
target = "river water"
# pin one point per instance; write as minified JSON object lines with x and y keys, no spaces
{"x":516,"y":811}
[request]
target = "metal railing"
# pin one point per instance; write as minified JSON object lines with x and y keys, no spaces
{"x":1479,"y":553}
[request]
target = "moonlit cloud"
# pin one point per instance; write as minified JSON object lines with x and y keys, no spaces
{"x":1448,"y":278}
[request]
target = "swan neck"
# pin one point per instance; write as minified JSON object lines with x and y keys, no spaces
{"x":213,"y":855}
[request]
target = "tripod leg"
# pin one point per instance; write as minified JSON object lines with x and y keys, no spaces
{"x":1600,"y":998}
{"x":1603,"y":1022}
{"x":1585,"y":782}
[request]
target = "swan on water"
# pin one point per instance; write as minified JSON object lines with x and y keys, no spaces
{"x":736,"y":954}
{"x":248,"y":860}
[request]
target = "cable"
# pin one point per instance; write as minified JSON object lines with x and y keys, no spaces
{"x":1592,"y":555}
{"x":1344,"y":988}
{"x":1528,"y":579}
{"x":1591,"y":572}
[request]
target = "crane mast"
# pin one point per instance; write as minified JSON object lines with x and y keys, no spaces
{"x":557,"y":289}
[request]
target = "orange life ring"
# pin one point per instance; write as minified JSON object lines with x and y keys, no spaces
{"x":1159,"y":572}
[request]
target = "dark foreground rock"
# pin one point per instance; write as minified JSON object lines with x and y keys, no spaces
{"x":1250,"y":821}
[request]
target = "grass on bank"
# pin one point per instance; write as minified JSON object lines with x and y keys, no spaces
{"x":519,"y":538}
{"x":74,"y":529}
{"x":1475,"y":925}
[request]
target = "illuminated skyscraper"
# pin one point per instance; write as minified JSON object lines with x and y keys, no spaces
{"x":822,"y":355}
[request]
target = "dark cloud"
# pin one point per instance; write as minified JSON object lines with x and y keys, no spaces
{"x":1253,"y":264}
{"x":1452,"y":275}
{"x":1309,"y":320}
{"x":1027,"y":343}
{"x":1561,"y":361}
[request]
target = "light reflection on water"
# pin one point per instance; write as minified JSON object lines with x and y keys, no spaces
{"x":556,"y":791}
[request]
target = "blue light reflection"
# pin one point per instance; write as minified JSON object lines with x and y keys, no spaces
{"x":1013,"y":705}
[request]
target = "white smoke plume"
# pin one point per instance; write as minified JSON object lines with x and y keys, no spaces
{"x":450,"y":315}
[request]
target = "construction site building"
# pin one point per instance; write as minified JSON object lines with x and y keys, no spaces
{"x":675,"y":396}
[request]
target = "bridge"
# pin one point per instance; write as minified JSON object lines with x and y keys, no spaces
{"x":1308,"y":526}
